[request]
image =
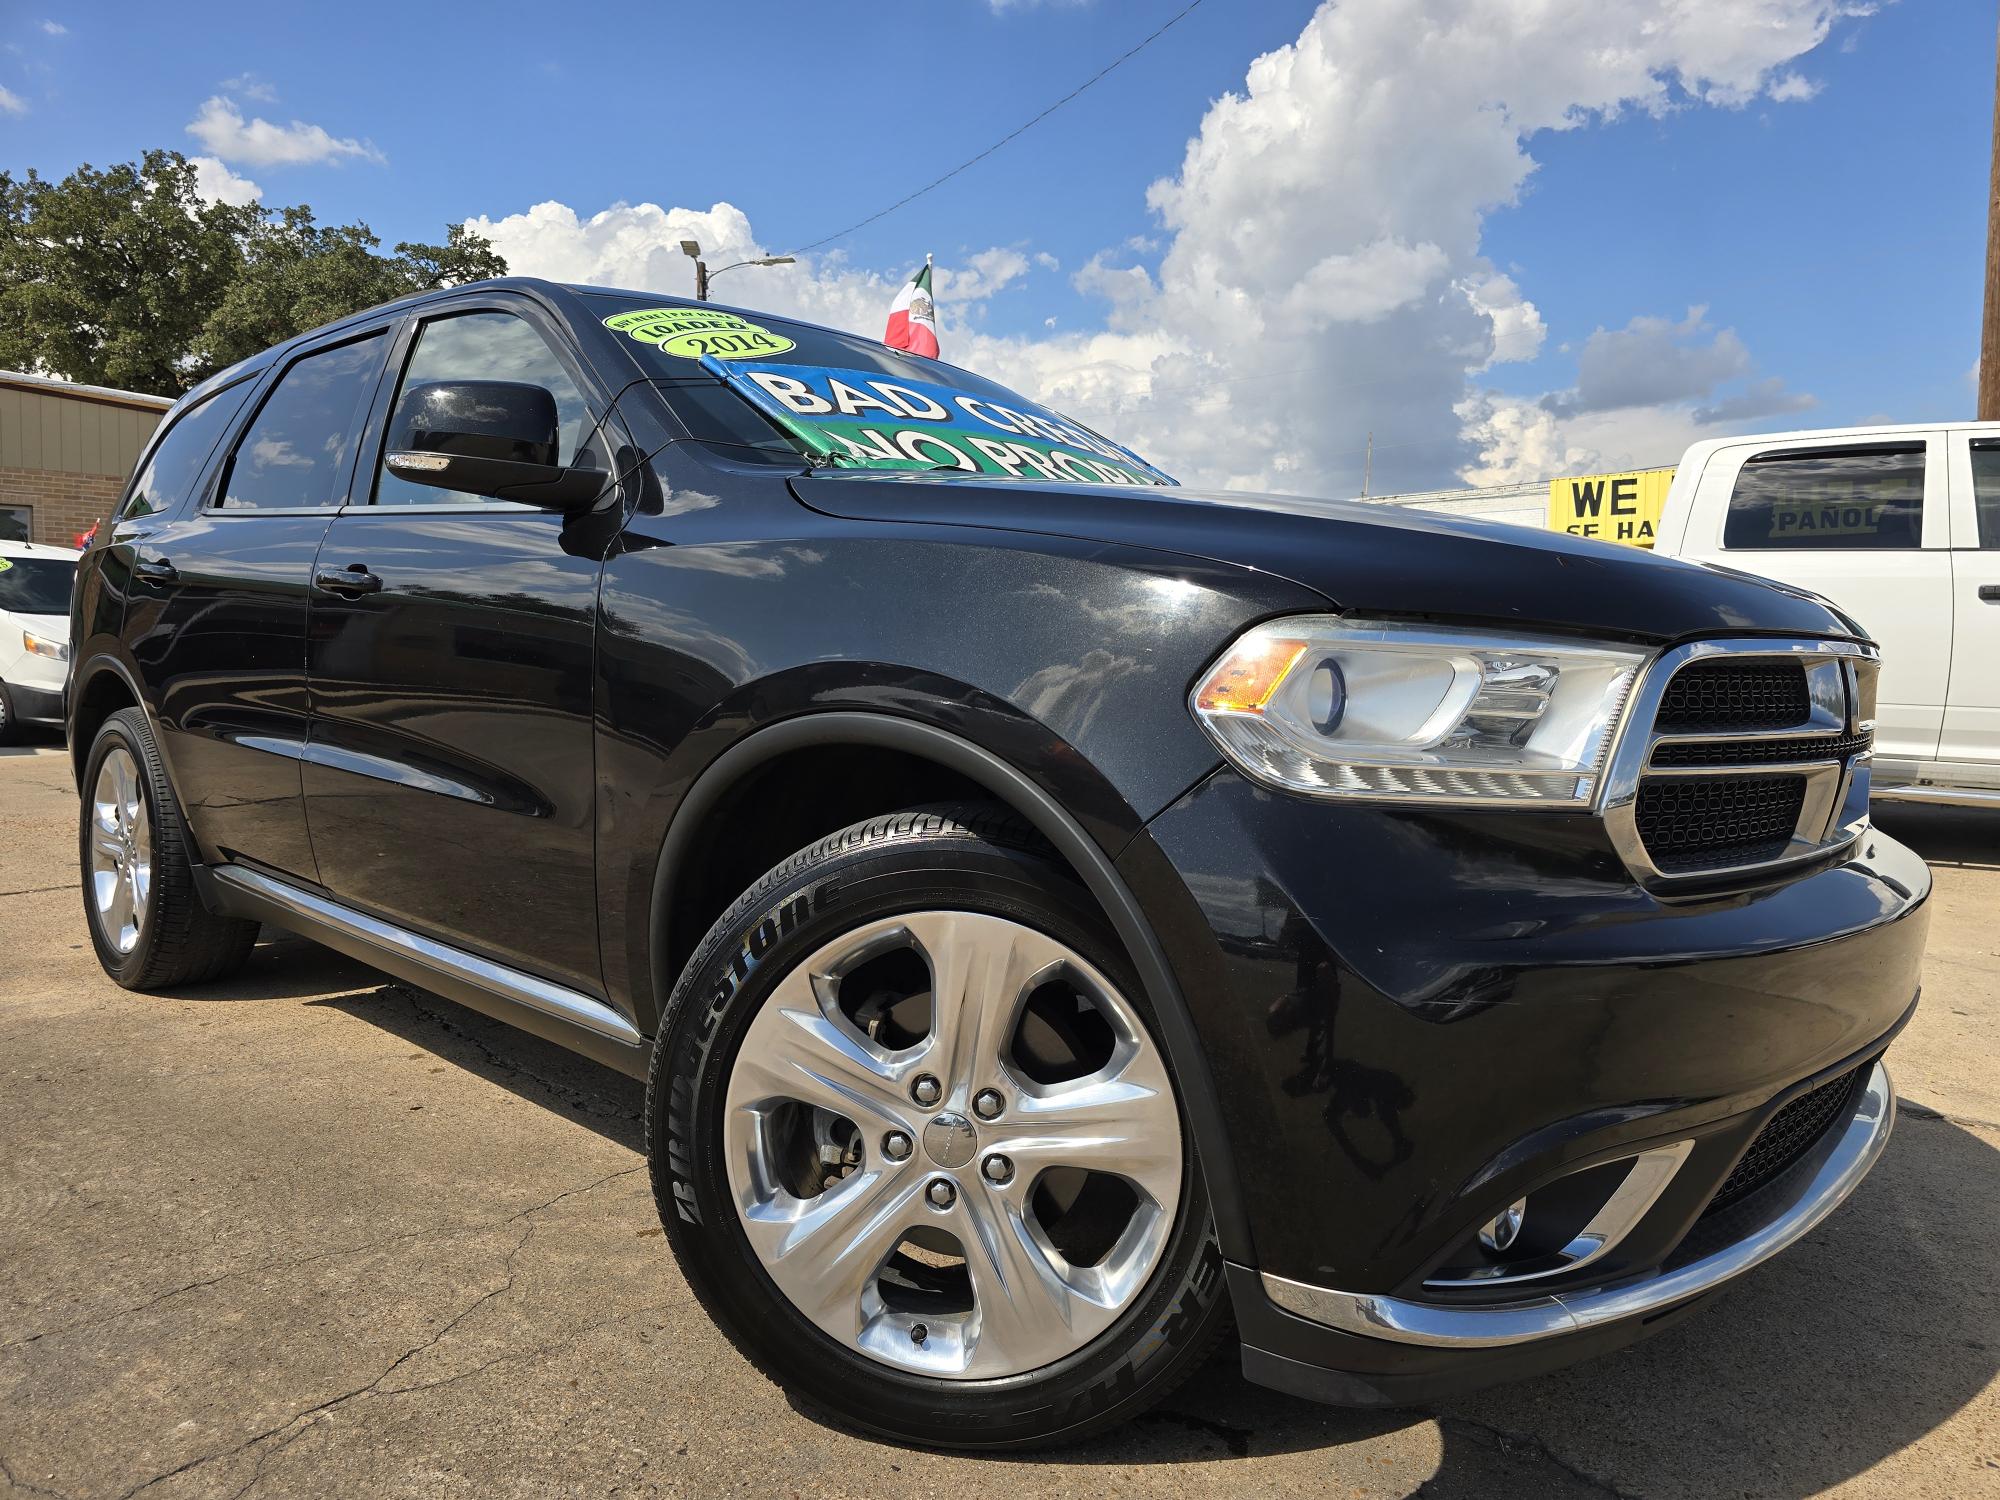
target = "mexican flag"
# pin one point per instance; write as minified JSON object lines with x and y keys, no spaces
{"x":913,"y":318}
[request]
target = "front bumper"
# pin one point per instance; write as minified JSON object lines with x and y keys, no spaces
{"x":1415,"y":1019}
{"x":1778,"y":1219}
{"x":35,"y":705}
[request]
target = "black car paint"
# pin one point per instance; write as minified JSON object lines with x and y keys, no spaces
{"x":1407,"y":1015}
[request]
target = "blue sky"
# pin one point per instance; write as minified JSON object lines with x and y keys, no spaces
{"x":1819,"y":198}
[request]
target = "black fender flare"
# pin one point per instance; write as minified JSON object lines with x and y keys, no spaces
{"x":1019,"y":792}
{"x":94,"y":667}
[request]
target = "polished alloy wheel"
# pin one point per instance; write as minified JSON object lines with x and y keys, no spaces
{"x":121,"y":850}
{"x":952,"y":1145}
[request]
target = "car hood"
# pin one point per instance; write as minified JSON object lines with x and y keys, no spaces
{"x":1364,"y":558}
{"x":48,"y":627}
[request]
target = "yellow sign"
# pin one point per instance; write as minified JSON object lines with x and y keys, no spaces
{"x":691,"y":332}
{"x":1611,"y":507}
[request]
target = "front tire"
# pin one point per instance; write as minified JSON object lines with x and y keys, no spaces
{"x":917,"y":1148}
{"x":135,"y":852}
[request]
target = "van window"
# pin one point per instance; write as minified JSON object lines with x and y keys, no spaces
{"x":1986,"y":491}
{"x":180,"y":456}
{"x":294,"y":453}
{"x":1829,"y":499}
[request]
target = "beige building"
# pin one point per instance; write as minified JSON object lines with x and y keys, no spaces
{"x":65,"y":453}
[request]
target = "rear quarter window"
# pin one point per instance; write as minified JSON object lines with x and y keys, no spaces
{"x":1828,"y":500}
{"x":180,"y":456}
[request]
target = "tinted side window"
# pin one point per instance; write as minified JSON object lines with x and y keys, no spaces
{"x":1986,"y":491}
{"x":180,"y":455}
{"x":296,"y":449}
{"x":484,"y":346}
{"x":1847,"y":498}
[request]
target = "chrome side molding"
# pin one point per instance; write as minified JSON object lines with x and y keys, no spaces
{"x":1405,"y":1321}
{"x":320,"y":916}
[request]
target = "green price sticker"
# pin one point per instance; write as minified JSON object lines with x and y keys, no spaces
{"x":691,"y":332}
{"x":4,"y":565}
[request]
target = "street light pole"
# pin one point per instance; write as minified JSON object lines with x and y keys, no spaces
{"x":703,"y":276}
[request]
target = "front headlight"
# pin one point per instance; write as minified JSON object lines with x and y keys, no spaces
{"x":1417,"y":713}
{"x":41,"y":645}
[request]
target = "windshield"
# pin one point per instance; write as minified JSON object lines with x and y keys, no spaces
{"x":36,"y":585}
{"x":800,"y":393}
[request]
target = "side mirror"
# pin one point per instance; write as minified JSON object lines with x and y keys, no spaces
{"x":487,"y":437}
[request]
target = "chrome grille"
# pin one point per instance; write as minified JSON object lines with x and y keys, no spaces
{"x":1696,"y":823}
{"x":1739,"y":757}
{"x":1731,"y":697}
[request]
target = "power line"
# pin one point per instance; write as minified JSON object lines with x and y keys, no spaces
{"x":1019,"y":130}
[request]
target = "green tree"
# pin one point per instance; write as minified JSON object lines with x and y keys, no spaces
{"x":298,"y":274}
{"x":128,"y":277}
{"x":107,"y":277}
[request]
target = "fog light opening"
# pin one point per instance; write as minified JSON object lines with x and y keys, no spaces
{"x":1501,"y":1231}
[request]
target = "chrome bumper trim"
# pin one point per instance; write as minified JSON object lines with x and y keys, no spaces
{"x":1466,"y":1327}
{"x":439,"y":959}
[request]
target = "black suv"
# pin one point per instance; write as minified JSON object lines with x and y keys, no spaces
{"x":1055,"y":910}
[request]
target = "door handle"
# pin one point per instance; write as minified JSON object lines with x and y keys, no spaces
{"x":350,"y":582}
{"x":1990,"y":592}
{"x":156,"y":570}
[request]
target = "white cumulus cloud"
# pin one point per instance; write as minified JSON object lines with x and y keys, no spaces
{"x":217,"y":183}
{"x":220,"y":126}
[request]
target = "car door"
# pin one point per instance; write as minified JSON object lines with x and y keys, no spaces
{"x":449,"y":785}
{"x":1864,"y":521}
{"x":1972,"y":701}
{"x":216,"y":613}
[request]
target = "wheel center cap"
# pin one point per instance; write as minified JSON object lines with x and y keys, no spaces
{"x":950,"y":1140}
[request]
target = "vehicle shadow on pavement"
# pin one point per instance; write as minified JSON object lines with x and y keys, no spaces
{"x":1859,"y":1342}
{"x":1943,"y":835}
{"x":540,"y":1072}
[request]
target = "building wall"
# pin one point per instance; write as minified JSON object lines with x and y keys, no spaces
{"x":63,"y":505}
{"x":65,"y":452}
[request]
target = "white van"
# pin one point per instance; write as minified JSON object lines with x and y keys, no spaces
{"x":1900,"y":527}
{"x":35,"y":584}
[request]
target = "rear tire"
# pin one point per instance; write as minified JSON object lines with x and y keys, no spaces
{"x":1122,"y":1294}
{"x":135,"y":854}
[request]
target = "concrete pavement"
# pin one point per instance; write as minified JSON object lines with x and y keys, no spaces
{"x":310,"y":1232}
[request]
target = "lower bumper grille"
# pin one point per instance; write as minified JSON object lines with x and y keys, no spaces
{"x":1787,"y":1136}
{"x":1703,"y":823}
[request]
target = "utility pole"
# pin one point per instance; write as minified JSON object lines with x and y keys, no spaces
{"x":1989,"y":340}
{"x":701,"y":281}
{"x":1367,"y":466}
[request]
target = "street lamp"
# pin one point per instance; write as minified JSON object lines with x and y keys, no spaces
{"x":702,"y":275}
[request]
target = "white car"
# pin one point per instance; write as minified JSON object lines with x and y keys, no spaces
{"x":35,"y":583}
{"x":1899,"y":527}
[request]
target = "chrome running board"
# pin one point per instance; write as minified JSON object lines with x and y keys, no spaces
{"x":1460,"y":1326}
{"x":1939,"y":796}
{"x":569,"y":1017}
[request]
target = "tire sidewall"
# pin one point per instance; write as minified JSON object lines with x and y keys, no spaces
{"x":118,"y":731}
{"x":731,"y":977}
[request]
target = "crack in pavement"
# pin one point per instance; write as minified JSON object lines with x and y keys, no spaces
{"x":434,"y":1231}
{"x":1516,"y":1445}
{"x":307,"y":1418}
{"x":14,"y":1481}
{"x":1924,"y":1112}
{"x":38,"y":890}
